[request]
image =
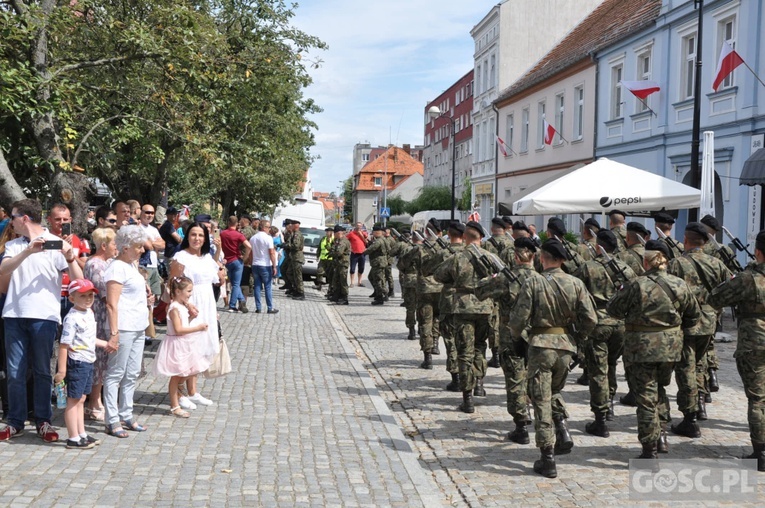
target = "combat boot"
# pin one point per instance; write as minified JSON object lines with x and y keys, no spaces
{"x":563,"y":441}
{"x":598,"y":427}
{"x":467,"y":405}
{"x":662,"y":445}
{"x":298,"y":296}
{"x":391,"y":294}
{"x":412,"y":335}
{"x":546,"y":464}
{"x":373,"y":295}
{"x":629,"y":399}
{"x":435,"y":350}
{"x":714,"y":385}
{"x":289,"y":292}
{"x":759,"y":454}
{"x":584,"y":379}
{"x":341,"y":301}
{"x":494,"y":362}
{"x":378,"y":302}
{"x":520,"y":435}
{"x":610,"y":414}
{"x":478,"y":390}
{"x":708,"y":398}
{"x":701,"y":415}
{"x":454,"y":386}
{"x":649,"y":451}
{"x":688,"y":427}
{"x":428,"y":362}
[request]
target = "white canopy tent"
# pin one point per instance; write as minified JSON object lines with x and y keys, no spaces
{"x":602,"y":186}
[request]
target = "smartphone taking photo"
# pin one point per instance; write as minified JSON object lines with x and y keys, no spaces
{"x":66,"y":229}
{"x":53,"y":245}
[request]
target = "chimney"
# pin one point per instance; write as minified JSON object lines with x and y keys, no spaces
{"x":407,"y":148}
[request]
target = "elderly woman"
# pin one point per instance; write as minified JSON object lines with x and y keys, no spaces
{"x":126,"y":306}
{"x":105,"y":251}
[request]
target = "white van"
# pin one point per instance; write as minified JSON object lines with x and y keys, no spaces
{"x":310,"y":213}
{"x":420,"y":219}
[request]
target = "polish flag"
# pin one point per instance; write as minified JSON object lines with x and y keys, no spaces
{"x":502,"y":146}
{"x":549,"y":132}
{"x":475,"y":217}
{"x":729,"y":60}
{"x":641,"y":89}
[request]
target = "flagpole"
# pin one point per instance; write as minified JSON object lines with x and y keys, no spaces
{"x":752,"y":71}
{"x":647,"y":106}
{"x":695,"y":170}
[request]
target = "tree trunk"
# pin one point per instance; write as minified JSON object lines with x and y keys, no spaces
{"x":10,"y":190}
{"x":75,"y":191}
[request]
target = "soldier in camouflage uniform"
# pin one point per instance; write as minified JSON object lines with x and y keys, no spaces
{"x":616,"y":224}
{"x":746,"y":292}
{"x":512,"y":350}
{"x":377,"y":250}
{"x":286,"y":263}
{"x":393,"y":247}
{"x":655,"y":306}
{"x":663,"y":222}
{"x":633,"y":254}
{"x":340,"y":252}
{"x":556,"y":229}
{"x":446,"y":307}
{"x":464,"y":271}
{"x":556,"y":312}
{"x":702,"y":273}
{"x":606,"y":342}
{"x":500,"y":244}
{"x":428,"y":291}
{"x":407,"y":276}
{"x":295,"y":247}
{"x":588,"y":249}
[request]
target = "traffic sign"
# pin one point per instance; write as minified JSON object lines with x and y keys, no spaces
{"x":385,"y":213}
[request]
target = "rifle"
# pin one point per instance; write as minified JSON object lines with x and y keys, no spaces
{"x":568,"y":251}
{"x":399,"y":237}
{"x":619,"y":271}
{"x":640,"y":239}
{"x":424,"y":241}
{"x":494,"y":264}
{"x":730,"y":260}
{"x":589,"y":246}
{"x":440,"y":241}
{"x":738,"y":245}
{"x":672,"y":242}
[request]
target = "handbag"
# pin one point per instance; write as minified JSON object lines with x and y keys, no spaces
{"x":221,"y":364}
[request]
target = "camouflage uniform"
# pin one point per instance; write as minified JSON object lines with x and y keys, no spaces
{"x":407,"y":275}
{"x":549,"y":305}
{"x":586,"y":248}
{"x":621,"y":236}
{"x":428,"y":296}
{"x":446,"y":309}
{"x":633,"y":256}
{"x":377,"y":250}
{"x":296,"y":260}
{"x":606,"y":342}
{"x":746,"y":292}
{"x":340,"y":252}
{"x":464,"y":271}
{"x":676,"y":248}
{"x":286,"y":262}
{"x":653,"y":341}
{"x":502,"y":246}
{"x":711,"y":356}
{"x":702,"y":273}
{"x":393,"y":248}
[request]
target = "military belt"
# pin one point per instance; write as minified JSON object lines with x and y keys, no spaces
{"x":750,"y":315}
{"x":465,"y":291}
{"x":641,"y":328}
{"x":552,"y":330}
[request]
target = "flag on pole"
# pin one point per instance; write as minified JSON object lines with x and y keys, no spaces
{"x":729,"y":60}
{"x":502,"y":146}
{"x":474,"y":216}
{"x":641,"y":89}
{"x":549,"y":132}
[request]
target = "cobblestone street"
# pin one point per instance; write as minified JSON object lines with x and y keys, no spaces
{"x":326,"y":407}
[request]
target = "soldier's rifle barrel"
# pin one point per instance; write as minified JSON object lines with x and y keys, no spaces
{"x":615,"y":267}
{"x":589,"y":246}
{"x":568,"y":251}
{"x":668,"y":238}
{"x":640,"y":239}
{"x":738,"y":244}
{"x":398,"y":236}
{"x":729,"y":260}
{"x":424,"y":241}
{"x":494,"y":264}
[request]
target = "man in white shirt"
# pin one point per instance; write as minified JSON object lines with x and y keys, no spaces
{"x":154,"y":244}
{"x":35,"y":263}
{"x":264,"y":265}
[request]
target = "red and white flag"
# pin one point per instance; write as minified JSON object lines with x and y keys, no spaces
{"x":641,"y":89}
{"x":549,"y":132}
{"x":502,"y":146}
{"x":729,"y":60}
{"x":475,"y":216}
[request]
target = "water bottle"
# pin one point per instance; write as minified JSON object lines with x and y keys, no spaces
{"x":60,"y":395}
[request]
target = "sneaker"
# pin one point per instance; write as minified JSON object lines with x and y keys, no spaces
{"x":243,"y":308}
{"x":10,"y":432}
{"x":233,"y":310}
{"x":273,"y":311}
{"x":80,"y":444}
{"x":46,"y":431}
{"x":185,"y":403}
{"x":257,"y":311}
{"x":91,"y":439}
{"x":199,"y":399}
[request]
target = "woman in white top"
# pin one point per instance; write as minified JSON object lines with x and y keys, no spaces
{"x":193,"y":260}
{"x":127,"y":306}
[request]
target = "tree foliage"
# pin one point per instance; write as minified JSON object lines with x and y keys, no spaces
{"x":465,"y":203}
{"x":397,"y":205}
{"x":431,"y":198}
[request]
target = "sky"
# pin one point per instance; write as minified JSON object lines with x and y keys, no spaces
{"x":386,"y":60}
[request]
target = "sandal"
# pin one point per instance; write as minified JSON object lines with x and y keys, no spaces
{"x":116,"y":431}
{"x":178,"y":412}
{"x":94,"y":414}
{"x":131,"y":425}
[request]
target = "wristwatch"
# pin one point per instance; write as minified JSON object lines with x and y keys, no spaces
{"x":115,"y":333}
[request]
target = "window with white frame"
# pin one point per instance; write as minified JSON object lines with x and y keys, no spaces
{"x":485,"y":75}
{"x":578,"y":112}
{"x":509,"y":133}
{"x":525,"y":130}
{"x":478,"y":78}
{"x":378,"y":181}
{"x":477,"y":136}
{"x":560,"y":106}
{"x":492,"y":72}
{"x":365,"y":157}
{"x":488,"y":134}
{"x":643,"y":73}
{"x":541,"y":116}
{"x":689,"y":66}
{"x":617,"y":108}
{"x":726,"y":32}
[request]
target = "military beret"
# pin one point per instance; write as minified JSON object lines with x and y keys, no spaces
{"x":759,"y":242}
{"x":556,"y":226}
{"x":338,"y":228}
{"x":521,"y":226}
{"x":658,"y":245}
{"x":637,"y":227}
{"x":555,"y":248}
{"x":202,"y":218}
{"x":698,"y":228}
{"x":498,"y":221}
{"x":434,"y":224}
{"x":377,"y":228}
{"x":331,"y":229}
{"x":592,"y":223}
{"x":508,"y":221}
{"x":406,"y":232}
{"x":477,"y":226}
{"x":710,"y":221}
{"x":295,"y":221}
{"x":525,"y":243}
{"x":607,"y":239}
{"x":457,"y":226}
{"x":663,"y":218}
{"x":616,"y":212}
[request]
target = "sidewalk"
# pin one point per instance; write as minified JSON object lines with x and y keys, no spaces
{"x":298,"y":423}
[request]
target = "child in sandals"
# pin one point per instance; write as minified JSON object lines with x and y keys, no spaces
{"x":177,"y":356}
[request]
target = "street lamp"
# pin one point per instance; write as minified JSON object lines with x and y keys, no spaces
{"x":435,"y":114}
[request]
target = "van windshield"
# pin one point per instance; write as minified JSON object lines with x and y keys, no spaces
{"x":311,"y":236}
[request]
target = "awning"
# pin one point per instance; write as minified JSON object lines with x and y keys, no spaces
{"x":754,"y":169}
